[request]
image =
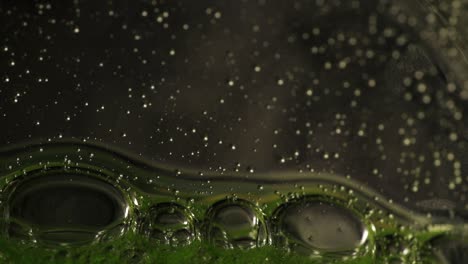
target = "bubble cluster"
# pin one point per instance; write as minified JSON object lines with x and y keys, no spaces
{"x":52,"y":204}
{"x":168,"y":223}
{"x":318,"y":216}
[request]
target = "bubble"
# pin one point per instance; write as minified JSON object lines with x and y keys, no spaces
{"x":169,"y":223}
{"x":309,"y":226}
{"x":65,"y":208}
{"x":235,"y":224}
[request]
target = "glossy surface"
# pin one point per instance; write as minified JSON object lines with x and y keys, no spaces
{"x":236,"y":224}
{"x":321,"y":226}
{"x":65,"y":207}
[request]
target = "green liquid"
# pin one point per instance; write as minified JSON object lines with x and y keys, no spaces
{"x":150,"y":212}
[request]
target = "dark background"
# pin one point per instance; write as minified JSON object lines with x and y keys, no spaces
{"x":346,"y":87}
